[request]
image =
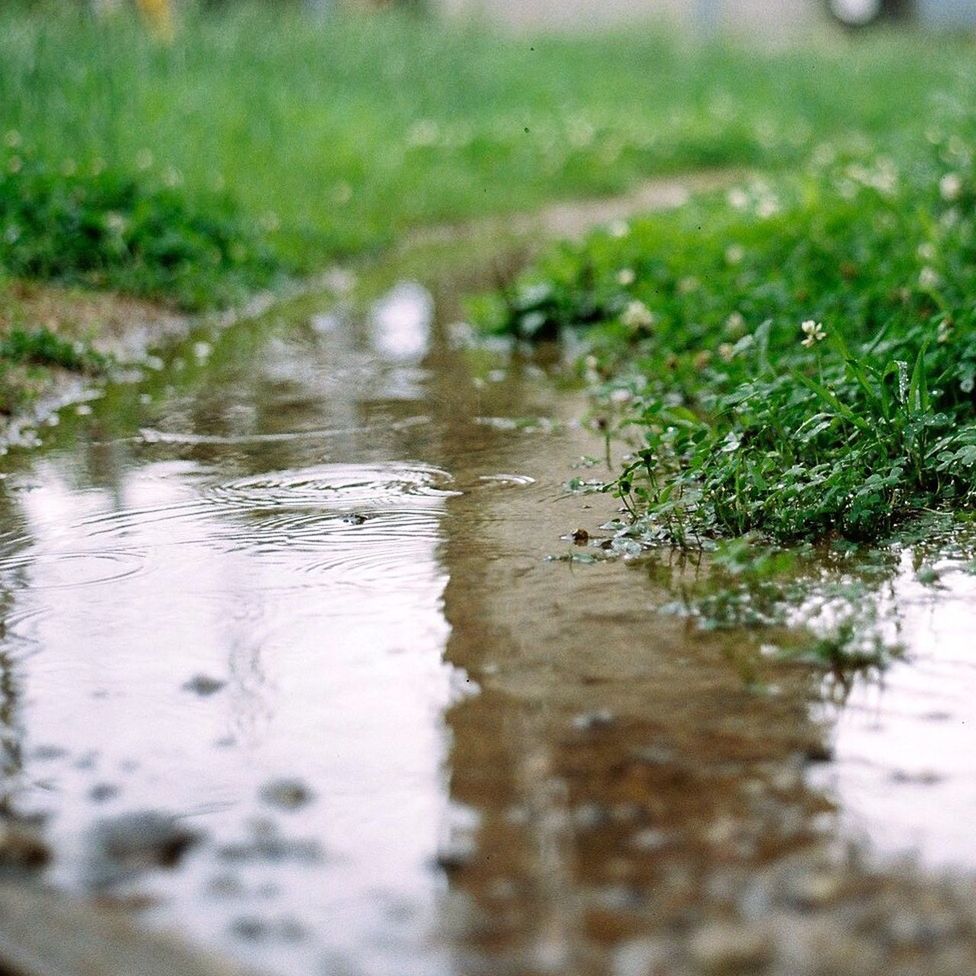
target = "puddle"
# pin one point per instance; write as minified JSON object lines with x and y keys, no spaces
{"x":905,"y":745}
{"x":297,"y":608}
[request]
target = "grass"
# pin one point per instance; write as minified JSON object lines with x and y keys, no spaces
{"x":104,"y":229}
{"x":797,"y":358}
{"x":266,"y":142}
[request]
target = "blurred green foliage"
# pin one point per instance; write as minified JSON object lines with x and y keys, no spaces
{"x":331,"y":136}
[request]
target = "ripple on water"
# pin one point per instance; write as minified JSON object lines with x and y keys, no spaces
{"x":356,"y":525}
{"x":337,"y":485}
{"x":359,"y":525}
{"x":507,"y":480}
{"x":48,"y":571}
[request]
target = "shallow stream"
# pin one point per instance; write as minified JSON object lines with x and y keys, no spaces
{"x":293,"y":592}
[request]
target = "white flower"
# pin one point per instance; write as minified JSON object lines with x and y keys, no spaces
{"x":950,"y":186}
{"x":637,"y":316}
{"x":734,"y":254}
{"x":425,"y":132}
{"x":116,"y":222}
{"x":928,"y":277}
{"x":626,"y":276}
{"x":768,"y":207}
{"x":945,"y":332}
{"x":737,"y":198}
{"x":813,"y":332}
{"x":735,"y":324}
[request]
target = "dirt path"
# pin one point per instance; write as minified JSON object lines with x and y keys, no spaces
{"x":129,"y":330}
{"x":573,"y":219}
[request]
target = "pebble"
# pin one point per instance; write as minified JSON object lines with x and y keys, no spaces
{"x":135,"y":842}
{"x":286,"y":794}
{"x":266,"y":845}
{"x":815,"y":890}
{"x":101,"y":792}
{"x":22,"y":847}
{"x":203,"y":685}
{"x":255,"y":929}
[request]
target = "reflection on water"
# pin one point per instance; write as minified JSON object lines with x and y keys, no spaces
{"x":302,"y":572}
{"x":317,"y":561}
{"x":906,"y":745}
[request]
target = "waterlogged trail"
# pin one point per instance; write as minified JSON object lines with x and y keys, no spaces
{"x":286,"y":670}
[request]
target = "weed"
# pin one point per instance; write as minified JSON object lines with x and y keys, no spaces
{"x":798,"y":358}
{"x":41,"y":347}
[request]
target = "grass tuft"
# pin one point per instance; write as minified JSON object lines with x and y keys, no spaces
{"x":798,"y":357}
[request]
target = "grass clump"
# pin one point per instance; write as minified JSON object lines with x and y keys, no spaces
{"x":102,"y":228}
{"x":42,"y":347}
{"x":798,"y":357}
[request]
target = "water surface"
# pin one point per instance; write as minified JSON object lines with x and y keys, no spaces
{"x":319,"y":555}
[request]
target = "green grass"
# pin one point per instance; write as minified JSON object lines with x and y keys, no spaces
{"x":747,"y":421}
{"x":264,"y":130}
{"x":104,"y":229}
{"x":41,"y":347}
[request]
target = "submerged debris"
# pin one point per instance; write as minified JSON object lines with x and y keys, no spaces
{"x":286,"y":794}
{"x":125,"y":846}
{"x":203,"y":685}
{"x":22,"y":847}
{"x":266,"y":845}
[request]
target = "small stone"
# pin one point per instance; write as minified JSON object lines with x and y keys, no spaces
{"x":101,"y":792}
{"x":581,"y":537}
{"x":654,"y":755}
{"x":590,"y":816}
{"x":134,"y":842}
{"x":226,"y":886}
{"x":203,"y":685}
{"x":47,"y":753}
{"x":250,"y":928}
{"x":22,"y":847}
{"x":271,"y":849}
{"x":286,"y":794}
{"x":724,"y":949}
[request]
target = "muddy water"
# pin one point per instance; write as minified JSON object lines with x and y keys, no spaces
{"x":294,"y":596}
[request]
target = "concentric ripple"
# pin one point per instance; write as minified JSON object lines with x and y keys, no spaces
{"x":72,"y":569}
{"x":338,"y":486}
